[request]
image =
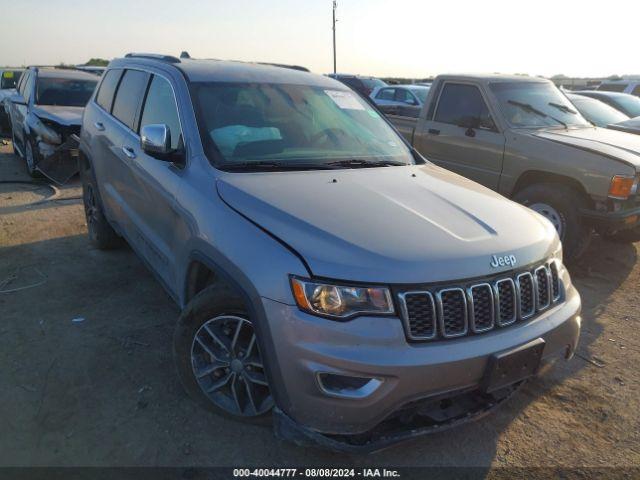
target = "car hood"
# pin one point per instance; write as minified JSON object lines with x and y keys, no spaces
{"x":414,"y":224}
{"x":69,"y":116}
{"x":604,"y":141}
{"x":632,"y":125}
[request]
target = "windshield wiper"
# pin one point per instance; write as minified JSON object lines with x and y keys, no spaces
{"x":527,"y":107}
{"x":273,"y":166}
{"x":563,"y":108}
{"x":355,"y":163}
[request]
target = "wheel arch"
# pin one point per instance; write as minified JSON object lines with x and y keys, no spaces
{"x":534,"y":177}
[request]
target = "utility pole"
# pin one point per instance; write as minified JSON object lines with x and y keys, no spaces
{"x":335,"y":5}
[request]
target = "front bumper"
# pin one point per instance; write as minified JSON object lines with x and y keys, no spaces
{"x":59,"y":162}
{"x":376,"y":347}
{"x":608,"y":222}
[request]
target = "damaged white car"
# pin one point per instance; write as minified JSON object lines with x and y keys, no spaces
{"x":45,"y":115}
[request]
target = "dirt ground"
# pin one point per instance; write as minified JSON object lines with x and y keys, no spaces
{"x":87,"y":377}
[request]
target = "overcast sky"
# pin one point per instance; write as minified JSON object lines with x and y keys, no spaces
{"x":413,"y":38}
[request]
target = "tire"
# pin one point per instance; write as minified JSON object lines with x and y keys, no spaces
{"x":101,"y":233}
{"x":212,"y":319}
{"x":31,"y":157}
{"x":16,"y":151}
{"x":630,"y":235}
{"x":564,"y":206}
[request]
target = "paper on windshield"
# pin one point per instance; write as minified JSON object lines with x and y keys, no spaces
{"x":345,"y":100}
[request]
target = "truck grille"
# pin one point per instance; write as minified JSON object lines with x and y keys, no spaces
{"x":459,"y":310}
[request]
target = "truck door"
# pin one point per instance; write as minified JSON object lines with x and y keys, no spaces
{"x":462,"y":136}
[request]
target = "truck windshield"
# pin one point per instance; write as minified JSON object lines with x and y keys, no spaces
{"x":64,"y":91}
{"x":289,"y":125}
{"x":535,"y":104}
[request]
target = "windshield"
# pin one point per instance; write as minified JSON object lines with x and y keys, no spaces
{"x":243,"y":124}
{"x":535,"y":104}
{"x":629,"y":103}
{"x":599,"y":113}
{"x":66,"y":92}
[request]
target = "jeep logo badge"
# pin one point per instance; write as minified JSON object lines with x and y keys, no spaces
{"x":497,"y":261}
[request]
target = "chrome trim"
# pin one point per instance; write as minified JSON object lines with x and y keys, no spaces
{"x":441,"y":312}
{"x":405,"y":314}
{"x":534,"y":295}
{"x":471,"y":304}
{"x":516,"y":302}
{"x":555,"y":262}
{"x":541,"y":307}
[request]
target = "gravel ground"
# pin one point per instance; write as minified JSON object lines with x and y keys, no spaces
{"x":87,"y":376}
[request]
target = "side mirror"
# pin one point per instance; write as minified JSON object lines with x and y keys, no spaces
{"x":155,"y":140}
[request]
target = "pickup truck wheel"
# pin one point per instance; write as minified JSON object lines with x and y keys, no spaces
{"x":101,"y":234}
{"x":217,"y":357}
{"x":561,"y":206}
{"x":630,"y":235}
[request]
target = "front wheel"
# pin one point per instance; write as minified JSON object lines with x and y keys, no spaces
{"x":101,"y":233}
{"x":30,"y":157}
{"x":218,"y":359}
{"x":561,"y":206}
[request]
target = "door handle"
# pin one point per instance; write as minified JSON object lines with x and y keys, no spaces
{"x":434,"y":131}
{"x":128,"y":151}
{"x":99,"y":126}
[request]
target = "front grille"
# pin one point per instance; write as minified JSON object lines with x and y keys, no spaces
{"x":542,"y":281}
{"x":452,"y":312}
{"x":458,"y":310}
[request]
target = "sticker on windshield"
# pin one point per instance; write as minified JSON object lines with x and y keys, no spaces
{"x":345,"y":100}
{"x":7,"y":74}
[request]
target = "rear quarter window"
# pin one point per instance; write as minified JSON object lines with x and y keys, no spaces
{"x":108,"y":89}
{"x":128,"y":97}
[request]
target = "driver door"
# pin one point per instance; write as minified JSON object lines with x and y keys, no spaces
{"x":462,"y":136}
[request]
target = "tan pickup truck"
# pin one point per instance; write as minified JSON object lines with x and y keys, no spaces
{"x":522,"y":137}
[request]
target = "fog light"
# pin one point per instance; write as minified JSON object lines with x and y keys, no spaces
{"x":347,"y":386}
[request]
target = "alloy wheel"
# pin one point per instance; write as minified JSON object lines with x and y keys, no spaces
{"x":550,"y":214}
{"x":227,"y":365}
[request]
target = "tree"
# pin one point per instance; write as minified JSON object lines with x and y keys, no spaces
{"x":97,"y":62}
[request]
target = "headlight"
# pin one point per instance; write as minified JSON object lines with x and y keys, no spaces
{"x":340,"y":301}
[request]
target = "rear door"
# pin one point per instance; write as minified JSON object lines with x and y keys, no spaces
{"x":474,"y":152}
{"x":154,"y":181}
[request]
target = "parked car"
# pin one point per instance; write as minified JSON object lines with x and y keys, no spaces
{"x":326,"y":272}
{"x":364,"y":85}
{"x":521,"y":137}
{"x":627,"y":104}
{"x":631,"y":87}
{"x":406,"y":100}
{"x":45,"y":113}
{"x":596,"y":111}
{"x":8,"y":80}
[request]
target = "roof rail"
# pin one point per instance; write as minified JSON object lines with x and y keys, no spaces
{"x":281,"y":65}
{"x":154,"y":56}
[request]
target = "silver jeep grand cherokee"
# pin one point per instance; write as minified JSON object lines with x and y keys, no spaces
{"x":327,"y":273}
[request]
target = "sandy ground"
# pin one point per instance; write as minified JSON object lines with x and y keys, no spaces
{"x":87,"y":378}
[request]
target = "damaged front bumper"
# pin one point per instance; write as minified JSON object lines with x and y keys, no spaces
{"x":59,"y":162}
{"x":412,"y":421}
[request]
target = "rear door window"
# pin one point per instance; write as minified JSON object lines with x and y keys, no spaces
{"x":129,"y":96}
{"x":160,"y":108}
{"x":108,"y":89}
{"x":386,"y":94}
{"x":460,"y":104}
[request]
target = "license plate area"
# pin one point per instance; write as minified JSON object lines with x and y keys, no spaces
{"x":511,"y":366}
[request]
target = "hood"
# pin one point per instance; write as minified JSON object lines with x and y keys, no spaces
{"x":632,"y":125}
{"x":409,"y":224}
{"x":604,"y":141}
{"x":69,"y":116}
